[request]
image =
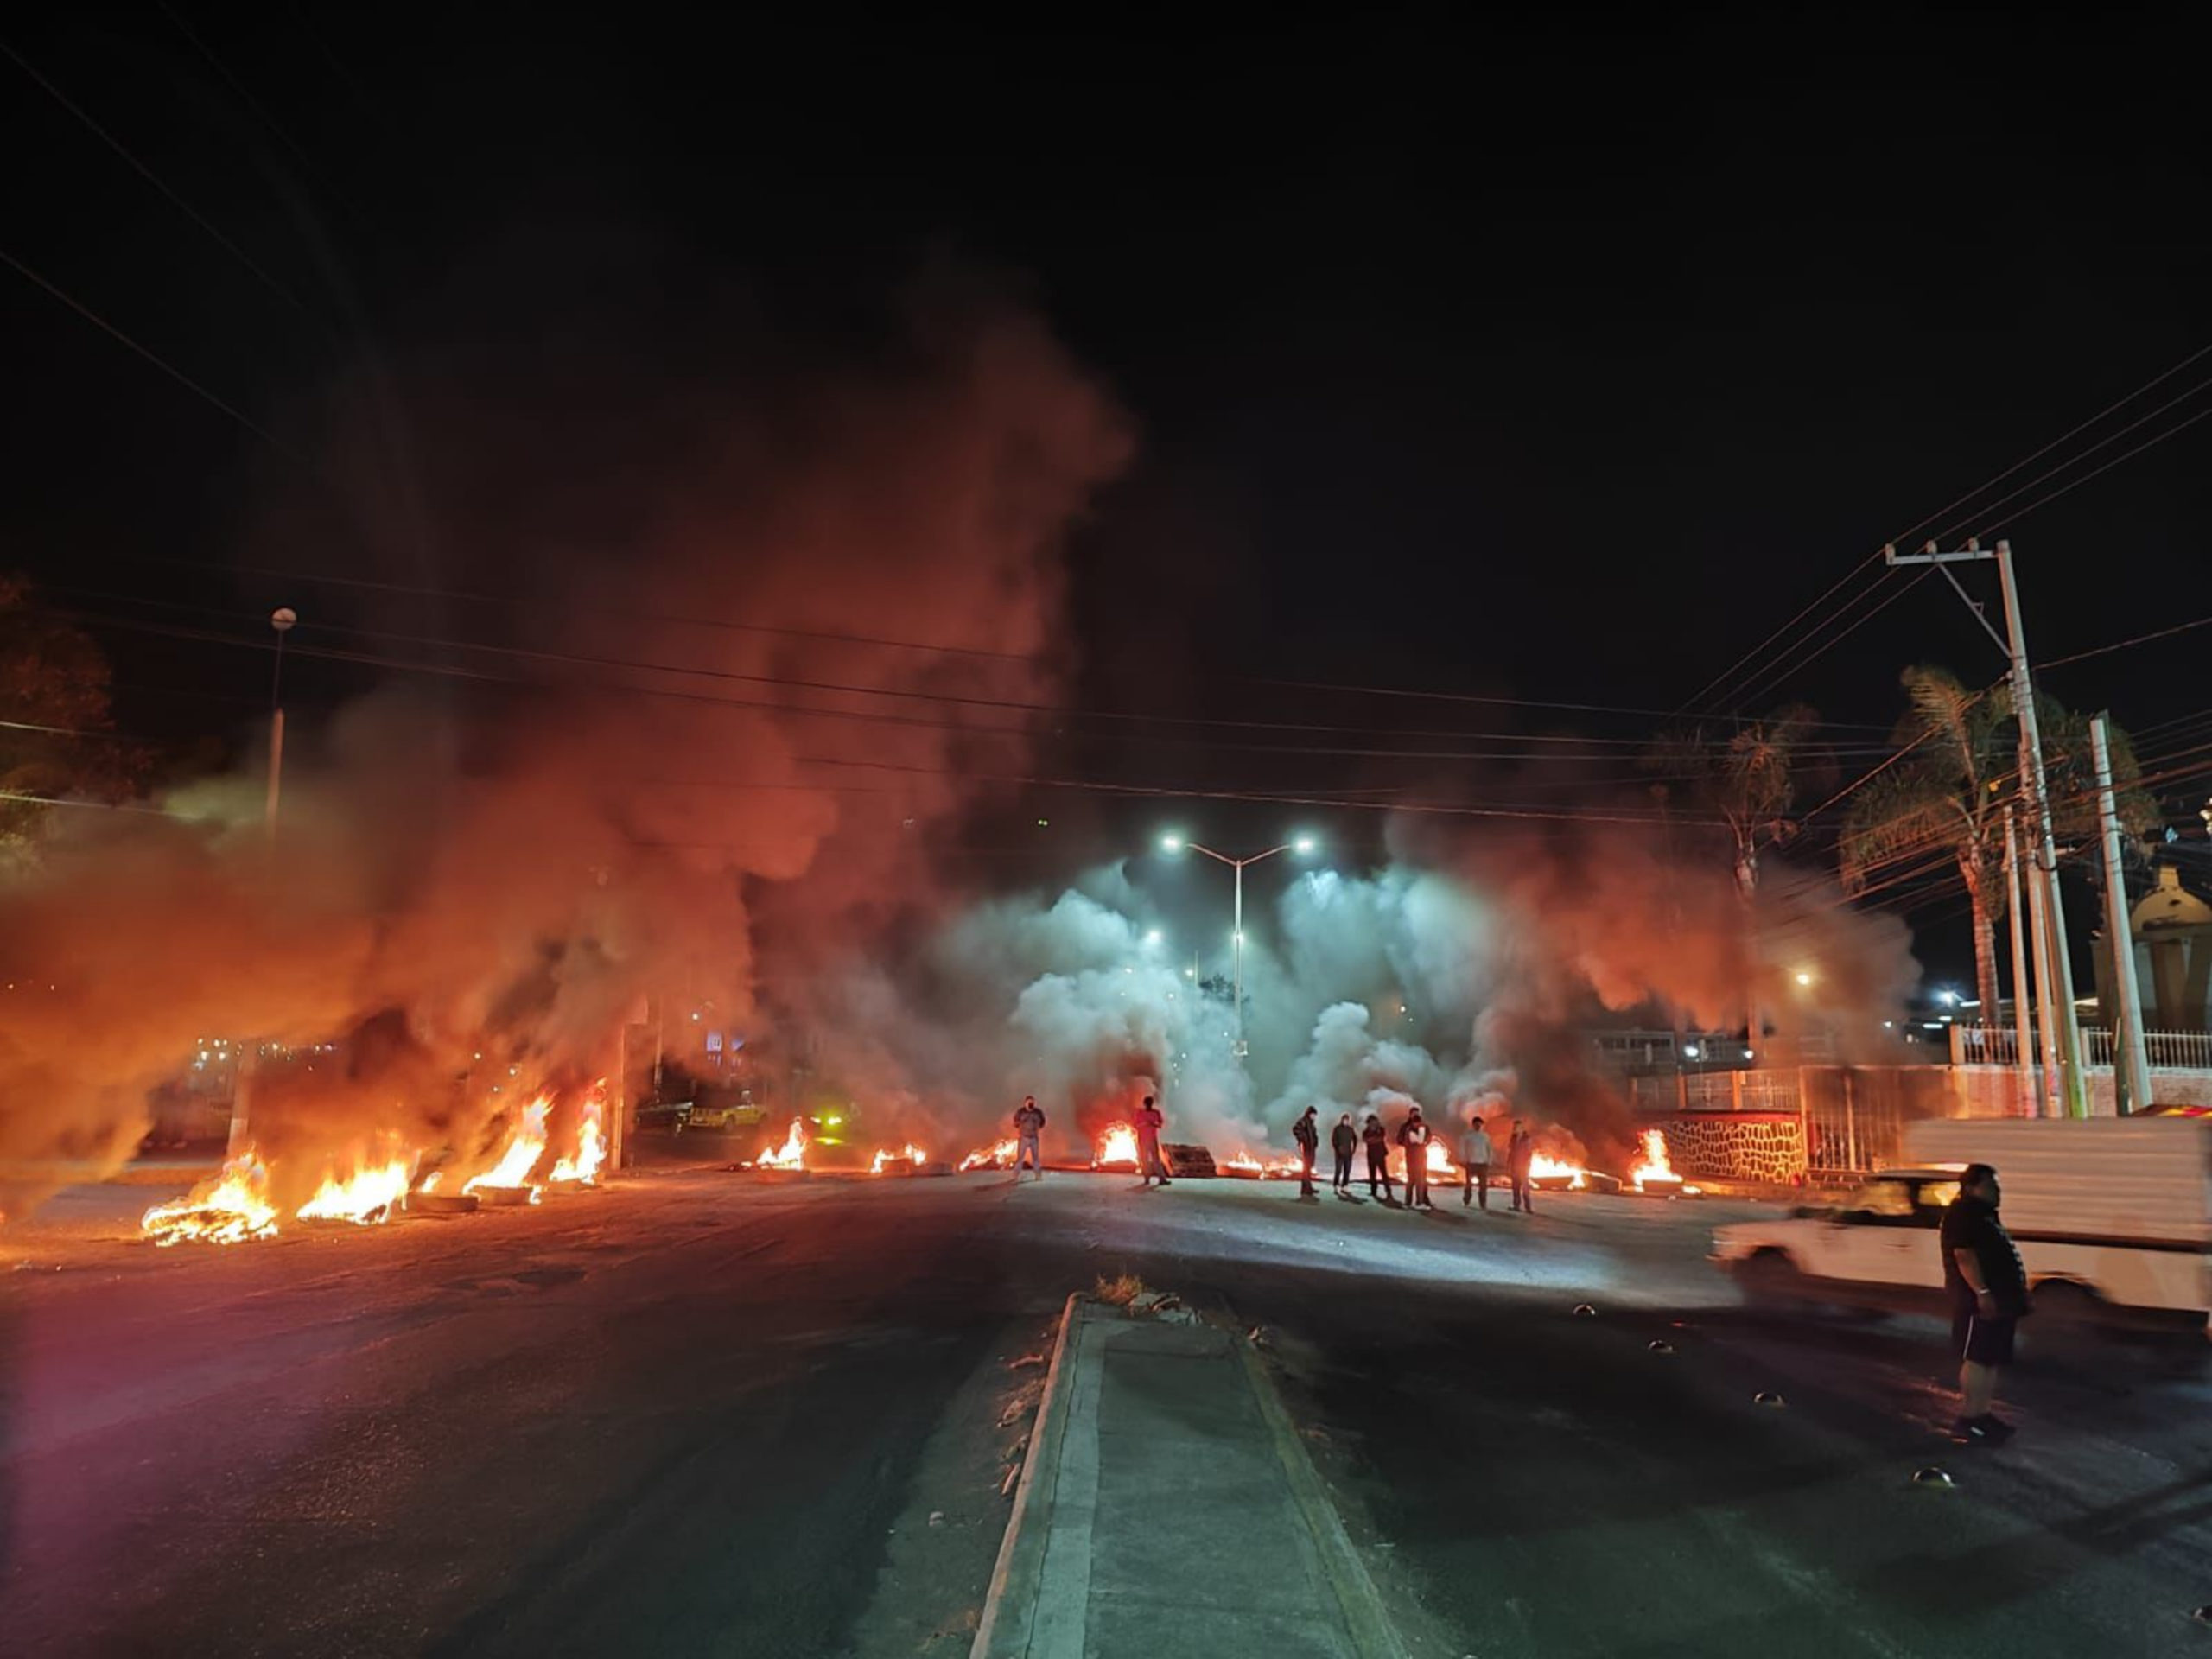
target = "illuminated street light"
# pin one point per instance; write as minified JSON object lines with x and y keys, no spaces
{"x":1153,"y":936}
{"x":1804,"y":975}
{"x":1175,"y":842}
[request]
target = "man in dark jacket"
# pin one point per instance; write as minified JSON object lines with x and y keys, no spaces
{"x":1344,"y":1140}
{"x":1377,"y":1139}
{"x":1989,"y":1295}
{"x":1307,"y":1132}
{"x":1413,"y":1135}
{"x":1520,"y":1154}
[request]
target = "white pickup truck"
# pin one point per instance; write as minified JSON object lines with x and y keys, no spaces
{"x":2112,"y":1217}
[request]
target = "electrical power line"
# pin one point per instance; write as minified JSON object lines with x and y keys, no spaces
{"x":158,"y":182}
{"x":159,"y":362}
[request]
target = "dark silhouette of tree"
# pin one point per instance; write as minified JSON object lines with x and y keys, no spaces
{"x":57,"y":738}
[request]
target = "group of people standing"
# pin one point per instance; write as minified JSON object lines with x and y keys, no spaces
{"x":1413,"y":1135}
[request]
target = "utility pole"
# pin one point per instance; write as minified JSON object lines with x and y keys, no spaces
{"x":2030,"y":1069}
{"x":2131,"y":1063}
{"x":2061,"y":1034}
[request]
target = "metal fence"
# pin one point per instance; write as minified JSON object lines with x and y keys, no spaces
{"x":2179,"y":1051}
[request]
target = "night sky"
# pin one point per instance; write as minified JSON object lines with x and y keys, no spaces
{"x":1550,"y":366}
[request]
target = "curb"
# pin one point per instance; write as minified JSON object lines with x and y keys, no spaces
{"x":1366,"y":1615}
{"x":1021,"y":1552}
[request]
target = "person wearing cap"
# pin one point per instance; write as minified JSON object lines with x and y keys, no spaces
{"x":1306,"y":1131}
{"x":1377,"y":1139}
{"x":1028,"y":1124}
{"x":1414,"y":1134}
{"x":1989,"y":1295}
{"x":1344,"y":1140}
{"x":1149,"y":1123}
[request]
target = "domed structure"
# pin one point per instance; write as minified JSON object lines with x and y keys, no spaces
{"x":2168,"y":904}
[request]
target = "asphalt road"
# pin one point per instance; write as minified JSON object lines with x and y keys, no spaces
{"x":708,"y":1415}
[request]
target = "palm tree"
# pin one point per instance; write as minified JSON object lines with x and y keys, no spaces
{"x":1945,"y":795}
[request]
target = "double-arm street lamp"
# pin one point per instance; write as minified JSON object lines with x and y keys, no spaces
{"x":1299,"y":844}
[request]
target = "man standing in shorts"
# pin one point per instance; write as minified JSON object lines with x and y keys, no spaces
{"x":1989,"y":1293}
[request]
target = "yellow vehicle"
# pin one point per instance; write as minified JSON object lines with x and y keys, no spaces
{"x":723,"y":1111}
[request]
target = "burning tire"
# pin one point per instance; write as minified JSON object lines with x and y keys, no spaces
{"x":505,"y":1197}
{"x":441,"y":1204}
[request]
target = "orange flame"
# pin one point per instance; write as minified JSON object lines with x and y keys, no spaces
{"x":790,"y":1155}
{"x":1245,"y":1164}
{"x":1543,"y":1168}
{"x":525,"y":1146}
{"x":1654,"y":1170}
{"x":1000,"y":1156}
{"x":1118,"y":1145}
{"x":591,"y":1142}
{"x":226,"y":1209}
{"x":370,"y":1194}
{"x":909,"y":1153}
{"x":1441,"y":1169}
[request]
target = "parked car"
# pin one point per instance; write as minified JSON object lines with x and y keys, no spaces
{"x":2112,"y":1217}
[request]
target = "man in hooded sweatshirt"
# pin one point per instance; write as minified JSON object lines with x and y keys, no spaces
{"x":1377,"y":1139}
{"x":1306,"y":1131}
{"x":1344,"y":1140}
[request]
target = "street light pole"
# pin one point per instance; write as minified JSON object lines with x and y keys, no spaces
{"x":281,"y":618}
{"x":1299,"y":844}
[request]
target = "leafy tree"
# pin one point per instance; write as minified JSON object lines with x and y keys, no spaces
{"x":55,"y":723}
{"x":1946,"y":793}
{"x":1746,"y":777}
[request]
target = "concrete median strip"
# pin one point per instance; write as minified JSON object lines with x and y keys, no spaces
{"x":1167,"y":1507}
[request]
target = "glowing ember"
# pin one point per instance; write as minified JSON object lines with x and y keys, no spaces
{"x":524,"y":1147}
{"x":1118,"y":1145}
{"x":1541,"y":1168}
{"x":591,"y":1143}
{"x":370,"y":1194}
{"x":227,"y":1209}
{"x":1000,"y":1156}
{"x":909,"y":1153}
{"x":1653,"y":1172}
{"x":790,"y":1155}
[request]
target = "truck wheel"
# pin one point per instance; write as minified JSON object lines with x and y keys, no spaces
{"x":2063,"y":1305}
{"x":2069,"y":1320}
{"x":1770,"y":1279}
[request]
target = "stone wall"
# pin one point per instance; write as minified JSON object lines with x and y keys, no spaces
{"x":1737,"y":1147}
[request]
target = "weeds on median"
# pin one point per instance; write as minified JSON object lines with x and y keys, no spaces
{"x":1120,"y":1291}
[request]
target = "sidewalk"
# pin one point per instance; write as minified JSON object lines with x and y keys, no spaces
{"x":1168,"y":1510}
